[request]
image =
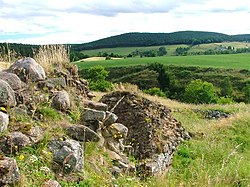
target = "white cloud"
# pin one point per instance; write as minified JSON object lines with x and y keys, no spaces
{"x":77,"y":21}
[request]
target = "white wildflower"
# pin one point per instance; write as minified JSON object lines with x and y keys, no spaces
{"x":33,"y":158}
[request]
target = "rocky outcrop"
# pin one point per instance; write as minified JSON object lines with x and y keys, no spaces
{"x":7,"y":95}
{"x":53,"y":83}
{"x":152,"y":132}
{"x":9,"y":173}
{"x":27,"y":69}
{"x":67,"y":154}
{"x":88,"y":114}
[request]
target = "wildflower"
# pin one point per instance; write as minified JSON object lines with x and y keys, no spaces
{"x":61,"y":139}
{"x":16,"y":147}
{"x":3,"y":109}
{"x":21,"y":157}
{"x":115,"y":136}
{"x":120,"y":135}
{"x":33,"y":158}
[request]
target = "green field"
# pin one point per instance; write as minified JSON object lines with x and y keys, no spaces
{"x":124,"y":51}
{"x":228,"y":61}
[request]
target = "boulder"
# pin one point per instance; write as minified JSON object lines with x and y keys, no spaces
{"x":61,"y":101}
{"x":67,"y":154}
{"x":14,"y":142}
{"x":95,"y":105}
{"x":82,"y":133}
{"x":118,"y":130}
{"x":9,"y":173}
{"x":7,"y":95}
{"x":4,"y":121}
{"x":27,"y":69}
{"x":88,"y":114}
{"x":12,"y":79}
{"x":35,"y":134}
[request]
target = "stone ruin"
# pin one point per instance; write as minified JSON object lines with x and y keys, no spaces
{"x":124,"y":123}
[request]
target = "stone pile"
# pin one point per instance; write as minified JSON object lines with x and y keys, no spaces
{"x":124,"y":123}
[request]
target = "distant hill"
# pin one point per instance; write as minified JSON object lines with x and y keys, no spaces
{"x":139,"y":40}
{"x":156,"y":39}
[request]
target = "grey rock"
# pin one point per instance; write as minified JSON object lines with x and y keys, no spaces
{"x":14,"y":142}
{"x":53,"y":83}
{"x":28,"y":69}
{"x":51,"y":183}
{"x":118,"y":130}
{"x":82,"y":133}
{"x":12,"y":79}
{"x":35,"y":134}
{"x":92,"y":115}
{"x":95,"y":105}
{"x":110,"y":118}
{"x":61,"y":101}
{"x":68,"y":154}
{"x":7,"y":95}
{"x":9,"y":172}
{"x":4,"y":121}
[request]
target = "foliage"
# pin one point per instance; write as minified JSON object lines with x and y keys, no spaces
{"x":199,"y":91}
{"x":225,"y":100}
{"x":155,"y":91}
{"x":96,"y":76}
{"x":246,"y":91}
{"x":226,"y":87}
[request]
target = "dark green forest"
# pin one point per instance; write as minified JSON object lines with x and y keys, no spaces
{"x":157,"y":39}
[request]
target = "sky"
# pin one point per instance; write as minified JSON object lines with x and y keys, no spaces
{"x":81,"y":21}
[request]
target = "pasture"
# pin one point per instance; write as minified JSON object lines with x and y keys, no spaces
{"x":228,"y":61}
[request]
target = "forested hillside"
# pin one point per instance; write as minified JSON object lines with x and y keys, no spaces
{"x":154,"y":39}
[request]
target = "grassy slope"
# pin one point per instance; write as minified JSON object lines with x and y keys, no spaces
{"x":234,"y":61}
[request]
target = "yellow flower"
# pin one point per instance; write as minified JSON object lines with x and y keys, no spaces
{"x":16,"y":147}
{"x":61,"y":139}
{"x":115,"y":136}
{"x":3,"y":109}
{"x":21,"y":157}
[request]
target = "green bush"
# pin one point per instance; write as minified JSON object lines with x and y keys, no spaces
{"x":97,"y":79}
{"x":225,"y":100}
{"x":155,"y":91}
{"x":199,"y":91}
{"x":100,"y":85}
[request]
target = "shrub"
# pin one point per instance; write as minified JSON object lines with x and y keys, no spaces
{"x":155,"y":91}
{"x":96,"y":76}
{"x":225,"y":100}
{"x":200,"y":92}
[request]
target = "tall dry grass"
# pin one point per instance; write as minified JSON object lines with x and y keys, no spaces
{"x":7,"y":56}
{"x":52,"y":56}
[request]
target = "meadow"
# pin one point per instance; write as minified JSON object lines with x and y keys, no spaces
{"x":228,"y":61}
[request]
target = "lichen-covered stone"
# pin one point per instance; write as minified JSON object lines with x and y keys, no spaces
{"x":88,"y":114}
{"x":68,"y":155}
{"x":61,"y":101}
{"x":95,"y":105}
{"x":27,"y":69}
{"x":12,"y":79}
{"x":9,"y":173}
{"x":7,"y":95}
{"x":82,"y":133}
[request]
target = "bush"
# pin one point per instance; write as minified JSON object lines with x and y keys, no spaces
{"x":225,"y":100}
{"x":155,"y":91}
{"x":96,"y":77}
{"x":200,"y":92}
{"x":100,"y":85}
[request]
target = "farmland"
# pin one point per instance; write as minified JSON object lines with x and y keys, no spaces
{"x":228,"y":61}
